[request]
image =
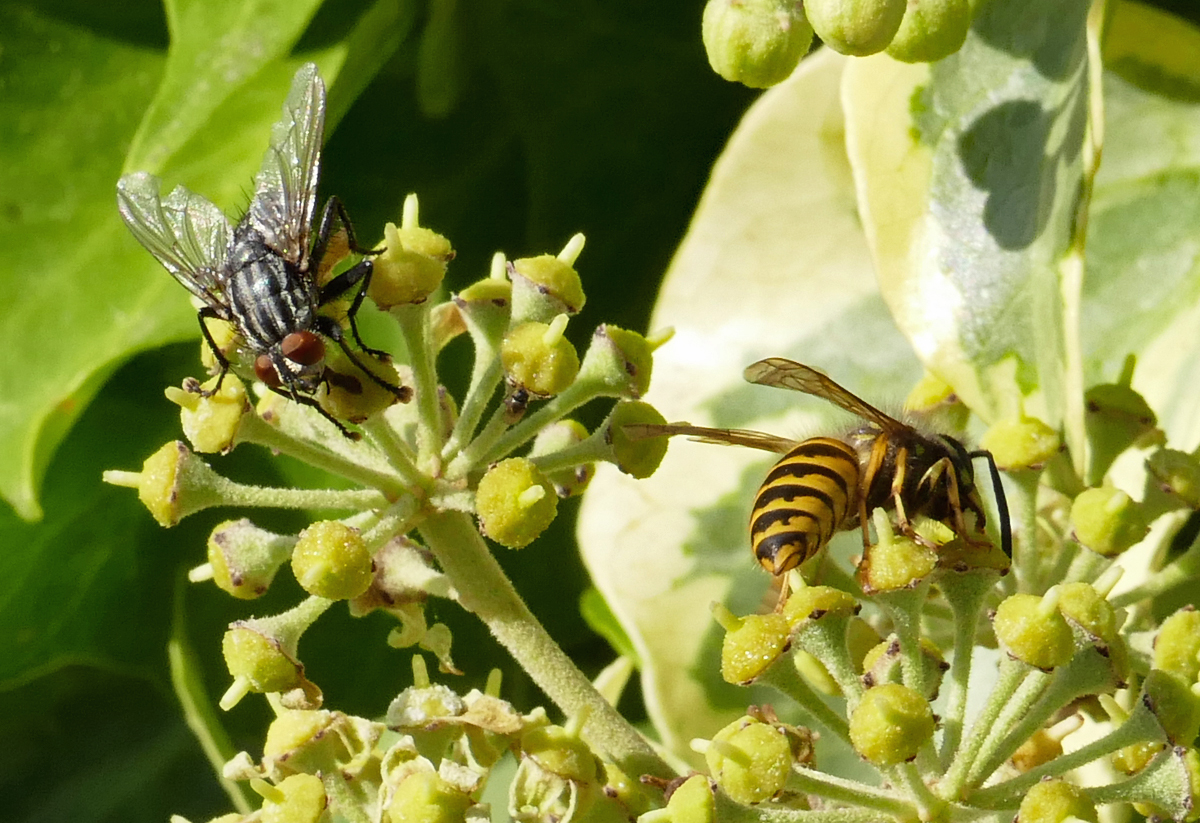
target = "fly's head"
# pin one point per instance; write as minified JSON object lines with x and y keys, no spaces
{"x":296,"y":363}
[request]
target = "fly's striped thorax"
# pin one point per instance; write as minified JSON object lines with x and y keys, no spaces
{"x":807,"y":497}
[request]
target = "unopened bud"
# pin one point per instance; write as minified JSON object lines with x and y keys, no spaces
{"x":515,"y":502}
{"x":931,"y":30}
{"x":890,"y":724}
{"x":856,"y":27}
{"x":750,"y":760}
{"x":618,"y":363}
{"x":536,"y":357}
{"x":1056,"y":801}
{"x":1032,"y":633}
{"x":413,"y":264}
{"x":544,"y":287}
{"x":752,"y":643}
{"x":757,"y":43}
{"x":331,"y":561}
{"x":1021,"y":443}
{"x":172,"y":484}
{"x":1107,"y":521}
{"x":245,"y":558}
{"x":637,"y":457}
{"x":302,"y":800}
{"x":211,"y":422}
{"x":1177,"y":473}
{"x":1177,"y":644}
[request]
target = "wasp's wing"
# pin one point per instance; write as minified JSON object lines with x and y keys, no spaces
{"x":788,"y":374}
{"x":285,"y":190}
{"x":186,"y":232}
{"x":732,"y":437}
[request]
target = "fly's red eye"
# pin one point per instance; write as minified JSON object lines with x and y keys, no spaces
{"x":303,"y":347}
{"x":264,"y":370}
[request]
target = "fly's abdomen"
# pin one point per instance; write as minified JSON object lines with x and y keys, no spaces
{"x":803,"y":502}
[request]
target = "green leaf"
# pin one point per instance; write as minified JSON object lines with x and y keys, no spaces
{"x":968,"y":173}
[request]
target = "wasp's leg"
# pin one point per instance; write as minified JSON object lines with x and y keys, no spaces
{"x":330,"y":328}
{"x":207,"y":312}
{"x":903,"y":524}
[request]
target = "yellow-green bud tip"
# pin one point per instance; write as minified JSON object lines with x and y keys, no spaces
{"x":636,"y":457}
{"x":1021,"y":443}
{"x":856,"y":27}
{"x":750,"y":760}
{"x":331,"y":560}
{"x":508,"y":512}
{"x":1030,"y":634}
{"x":757,"y":43}
{"x":1107,"y":520}
{"x":750,"y":648}
{"x":890,"y":724}
{"x":536,"y":357}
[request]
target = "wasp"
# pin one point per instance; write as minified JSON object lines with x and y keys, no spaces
{"x":267,"y":277}
{"x":824,"y":485}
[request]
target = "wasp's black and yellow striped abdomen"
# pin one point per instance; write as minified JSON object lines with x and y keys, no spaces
{"x":806,"y":498}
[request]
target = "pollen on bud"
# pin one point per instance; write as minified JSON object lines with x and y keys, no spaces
{"x":245,"y":558}
{"x":172,"y":484}
{"x":752,"y":646}
{"x":890,"y":724}
{"x":750,"y":760}
{"x":1056,"y":801}
{"x":509,"y":511}
{"x":211,"y":422}
{"x":895,"y":562}
{"x":814,"y":602}
{"x":757,"y":43}
{"x":412,"y":266}
{"x":331,"y":561}
{"x":302,"y":800}
{"x":260,"y":660}
{"x":537,"y":358}
{"x":1021,"y":443}
{"x":1031,"y":633}
{"x":639,"y":457}
{"x":931,"y":30}
{"x":545,"y":286}
{"x":1107,"y":520}
{"x":856,"y":27}
{"x":350,"y":394}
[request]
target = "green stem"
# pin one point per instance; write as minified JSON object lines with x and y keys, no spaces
{"x":483,"y":385}
{"x":727,"y":811}
{"x":904,"y":608}
{"x":471,"y":456}
{"x":187,"y":680}
{"x":1011,"y":675}
{"x":559,"y":406}
{"x":399,"y":453}
{"x":256,"y":430}
{"x":1027,"y":565}
{"x":414,"y":324}
{"x":240,"y":494}
{"x":843,"y":790}
{"x":966,"y":598}
{"x":1183,"y":569}
{"x":783,"y":677}
{"x":485,"y":590}
{"x":1032,"y":688}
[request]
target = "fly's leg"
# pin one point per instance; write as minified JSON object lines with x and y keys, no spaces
{"x":208,"y":312}
{"x":330,"y":328}
{"x":358,"y":275}
{"x":305,"y":400}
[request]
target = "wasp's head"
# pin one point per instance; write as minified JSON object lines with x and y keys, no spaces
{"x":298,"y":363}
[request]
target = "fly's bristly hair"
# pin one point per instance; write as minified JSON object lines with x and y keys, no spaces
{"x":262,"y":275}
{"x":824,"y":485}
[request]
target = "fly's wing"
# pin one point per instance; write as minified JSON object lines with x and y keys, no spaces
{"x":730,"y":437}
{"x":186,"y":232}
{"x":788,"y":374}
{"x":285,"y":190}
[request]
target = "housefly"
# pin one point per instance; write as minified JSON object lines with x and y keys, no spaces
{"x":264,"y":275}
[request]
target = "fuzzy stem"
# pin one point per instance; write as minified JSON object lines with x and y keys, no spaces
{"x":485,"y":590}
{"x":843,"y":790}
{"x":254,"y":429}
{"x":1011,"y":675}
{"x":1027,"y":565}
{"x":966,"y":598}
{"x":399,"y":453}
{"x":414,"y":324}
{"x":484,"y":380}
{"x":557,"y":407}
{"x":240,"y":494}
{"x":1021,"y":702}
{"x":783,"y":677}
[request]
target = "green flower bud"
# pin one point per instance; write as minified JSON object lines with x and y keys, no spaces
{"x":306,"y":740}
{"x":931,"y":30}
{"x":546,"y":286}
{"x":424,"y":797}
{"x":1132,"y":759}
{"x":1107,"y":521}
{"x":571,"y":481}
{"x":751,"y":645}
{"x":1117,"y":417}
{"x":1091,"y":614}
{"x":537,"y":358}
{"x":750,"y":760}
{"x":413,"y":264}
{"x":692,"y":801}
{"x":895,"y":562}
{"x":932,"y":395}
{"x":890,"y":724}
{"x":1032,"y":631}
{"x":211,"y":422}
{"x":1177,"y":473}
{"x":636,"y":456}
{"x":856,"y":27}
{"x":814,"y":602}
{"x":1177,"y":644}
{"x":486,"y":307}
{"x":261,"y":655}
{"x":515,"y":502}
{"x":422,"y":706}
{"x":303,"y":801}
{"x":350,"y":394}
{"x":172,"y":484}
{"x":1173,"y":703}
{"x":619,"y":361}
{"x":757,"y":43}
{"x":1021,"y":443}
{"x":260,"y":659}
{"x":561,"y":751}
{"x":1054,"y":801}
{"x":244,"y":558}
{"x":331,"y":561}
{"x":882,"y":664}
